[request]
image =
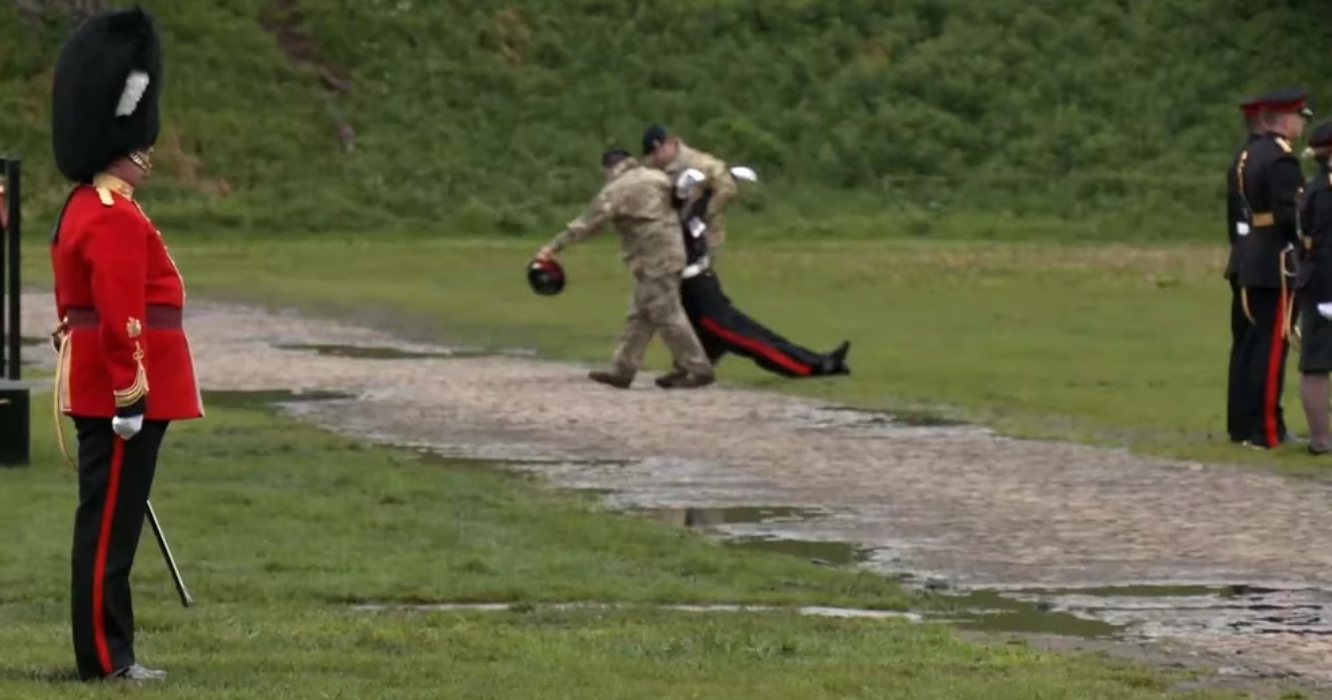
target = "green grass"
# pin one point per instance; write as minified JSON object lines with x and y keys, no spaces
{"x":276,"y":525}
{"x":485,"y":117}
{"x":1118,"y":345}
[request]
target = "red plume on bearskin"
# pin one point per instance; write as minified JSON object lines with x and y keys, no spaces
{"x":108,"y":81}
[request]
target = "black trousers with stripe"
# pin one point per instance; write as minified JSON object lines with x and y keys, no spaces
{"x":115,"y":477}
{"x":1235,"y":406}
{"x":722,"y":328}
{"x":1261,"y":371}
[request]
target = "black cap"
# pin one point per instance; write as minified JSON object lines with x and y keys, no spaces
{"x":1322,"y":135}
{"x":105,"y":92}
{"x":653,"y":137}
{"x":1283,"y":100}
{"x":613,"y":156}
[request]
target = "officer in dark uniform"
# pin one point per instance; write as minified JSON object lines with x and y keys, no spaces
{"x":1314,"y":292}
{"x":1265,"y":183}
{"x":1239,"y":324}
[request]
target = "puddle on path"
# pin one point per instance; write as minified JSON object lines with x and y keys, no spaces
{"x":990,"y":611}
{"x":268,"y":398}
{"x":814,"y":611}
{"x":370,"y":352}
{"x":1125,"y":612}
{"x":827,"y":553}
{"x":885,"y":423}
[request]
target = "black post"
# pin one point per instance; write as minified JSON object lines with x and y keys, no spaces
{"x":13,"y":228}
{"x":15,"y":398}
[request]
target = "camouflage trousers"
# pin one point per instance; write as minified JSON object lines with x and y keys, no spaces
{"x":656,"y":308}
{"x":716,"y":235}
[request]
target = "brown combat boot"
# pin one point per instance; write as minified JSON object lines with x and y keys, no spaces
{"x":688,"y":381}
{"x":667,"y":380}
{"x":618,"y":381}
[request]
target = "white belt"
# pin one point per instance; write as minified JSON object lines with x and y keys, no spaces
{"x":696,"y":269}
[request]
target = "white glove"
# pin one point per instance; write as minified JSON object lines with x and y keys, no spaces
{"x":1325,"y":310}
{"x":127,"y":428}
{"x":697,"y":227}
{"x":685,"y":183}
{"x":741,"y":172}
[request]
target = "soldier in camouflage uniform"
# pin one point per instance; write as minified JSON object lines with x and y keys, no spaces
{"x":637,"y":202}
{"x":667,"y":152}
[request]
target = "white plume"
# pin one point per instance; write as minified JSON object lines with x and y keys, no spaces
{"x":135,"y":85}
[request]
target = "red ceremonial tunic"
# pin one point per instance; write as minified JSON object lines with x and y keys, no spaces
{"x":120,"y":301}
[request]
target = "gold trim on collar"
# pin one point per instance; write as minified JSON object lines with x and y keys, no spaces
{"x":106,"y":182}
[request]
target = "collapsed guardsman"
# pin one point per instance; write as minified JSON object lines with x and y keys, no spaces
{"x":124,"y":370}
{"x":1314,"y":287}
{"x":1265,"y":182}
{"x":720,"y":326}
{"x":637,"y":202}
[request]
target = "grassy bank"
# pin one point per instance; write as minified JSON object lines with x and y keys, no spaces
{"x":277,"y":525}
{"x":1113,"y":344}
{"x":484,"y":118}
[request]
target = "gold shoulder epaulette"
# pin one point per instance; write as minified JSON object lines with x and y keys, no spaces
{"x":1284,"y":144}
{"x":104,"y":194}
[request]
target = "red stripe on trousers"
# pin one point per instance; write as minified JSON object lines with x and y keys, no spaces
{"x":1274,"y":373}
{"x":99,"y":565}
{"x":776,"y":356}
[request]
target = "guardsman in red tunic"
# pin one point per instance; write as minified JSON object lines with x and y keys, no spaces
{"x":125,"y":369}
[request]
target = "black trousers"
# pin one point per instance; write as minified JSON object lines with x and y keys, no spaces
{"x":1239,"y":328}
{"x":1261,"y":370}
{"x":115,"y":477}
{"x":722,"y":328}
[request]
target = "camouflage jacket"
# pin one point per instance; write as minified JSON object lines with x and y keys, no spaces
{"x":636,"y":201}
{"x":719,"y":182}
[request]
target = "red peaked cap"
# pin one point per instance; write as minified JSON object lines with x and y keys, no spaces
{"x":1290,"y":100}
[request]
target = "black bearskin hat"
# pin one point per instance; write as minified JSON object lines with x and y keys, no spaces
{"x":104,"y":100}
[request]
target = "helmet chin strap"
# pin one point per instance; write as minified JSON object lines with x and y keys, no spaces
{"x":142,"y":159}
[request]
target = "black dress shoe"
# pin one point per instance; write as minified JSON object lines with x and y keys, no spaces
{"x":137,"y":673}
{"x":835,"y":362}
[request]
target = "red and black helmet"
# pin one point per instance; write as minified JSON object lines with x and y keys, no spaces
{"x":546,"y":277}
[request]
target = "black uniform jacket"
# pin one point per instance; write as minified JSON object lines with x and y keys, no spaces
{"x":1265,"y":182}
{"x":1315,"y":280}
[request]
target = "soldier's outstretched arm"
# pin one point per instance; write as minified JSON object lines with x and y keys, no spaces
{"x":588,"y":223}
{"x":1286,"y":181}
{"x":116,"y":250}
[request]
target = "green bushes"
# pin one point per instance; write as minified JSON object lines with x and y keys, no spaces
{"x":486,"y":117}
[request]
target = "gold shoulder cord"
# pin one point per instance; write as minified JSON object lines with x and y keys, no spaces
{"x":1239,"y":180}
{"x":62,"y":359}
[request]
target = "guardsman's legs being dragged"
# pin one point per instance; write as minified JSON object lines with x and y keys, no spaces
{"x":1263,"y":364}
{"x":655,"y":308}
{"x":1315,"y":365}
{"x":1239,"y":326}
{"x":724,"y":328}
{"x":115,"y":477}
